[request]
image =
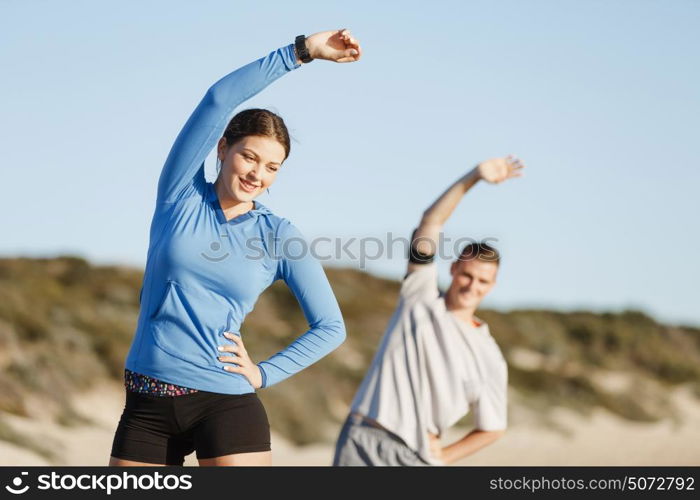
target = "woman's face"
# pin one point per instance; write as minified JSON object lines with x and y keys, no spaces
{"x":249,"y":166}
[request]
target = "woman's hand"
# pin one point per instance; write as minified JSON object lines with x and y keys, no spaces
{"x":336,"y":45}
{"x":436,"y":448}
{"x":246,"y":366}
{"x":498,"y":170}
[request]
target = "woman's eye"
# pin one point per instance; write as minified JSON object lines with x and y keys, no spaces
{"x":272,"y":169}
{"x":248,"y":158}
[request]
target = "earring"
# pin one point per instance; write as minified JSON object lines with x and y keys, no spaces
{"x":268,"y":190}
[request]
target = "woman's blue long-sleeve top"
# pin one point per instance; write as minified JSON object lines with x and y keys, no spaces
{"x":204,"y":274}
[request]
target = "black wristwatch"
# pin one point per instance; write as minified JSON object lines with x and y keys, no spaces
{"x":302,"y":49}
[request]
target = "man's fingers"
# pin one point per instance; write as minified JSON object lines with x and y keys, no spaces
{"x":513,"y":159}
{"x":514,"y":167}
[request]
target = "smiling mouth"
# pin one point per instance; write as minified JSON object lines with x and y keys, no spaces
{"x":248,"y":186}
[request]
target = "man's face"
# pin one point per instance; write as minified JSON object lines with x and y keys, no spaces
{"x":471,"y":280}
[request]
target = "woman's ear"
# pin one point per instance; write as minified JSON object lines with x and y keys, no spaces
{"x":221,"y":149}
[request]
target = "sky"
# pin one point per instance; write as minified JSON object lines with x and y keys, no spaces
{"x":600,"y":99}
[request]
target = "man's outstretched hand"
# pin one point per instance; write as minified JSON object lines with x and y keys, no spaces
{"x":497,"y":170}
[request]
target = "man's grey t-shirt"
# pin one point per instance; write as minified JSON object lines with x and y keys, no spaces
{"x":432,"y":368}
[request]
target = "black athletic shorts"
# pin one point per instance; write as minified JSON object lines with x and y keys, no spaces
{"x":164,"y":429}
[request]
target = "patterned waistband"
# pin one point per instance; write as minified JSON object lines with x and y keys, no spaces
{"x":137,"y":382}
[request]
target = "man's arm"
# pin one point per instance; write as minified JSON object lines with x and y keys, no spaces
{"x":471,"y":443}
{"x":425,"y":238}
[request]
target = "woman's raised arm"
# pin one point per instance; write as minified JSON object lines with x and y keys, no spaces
{"x":208,"y":121}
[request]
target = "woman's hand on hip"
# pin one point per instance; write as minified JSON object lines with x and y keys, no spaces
{"x":241,"y":361}
{"x":336,"y":45}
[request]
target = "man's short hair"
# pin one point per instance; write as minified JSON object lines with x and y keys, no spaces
{"x":480,"y":250}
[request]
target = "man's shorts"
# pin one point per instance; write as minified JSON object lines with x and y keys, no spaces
{"x":164,"y":429}
{"x":362,"y":444}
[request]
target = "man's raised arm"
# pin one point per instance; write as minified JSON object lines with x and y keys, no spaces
{"x":425,"y":238}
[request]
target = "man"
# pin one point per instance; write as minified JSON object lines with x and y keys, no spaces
{"x":436,"y":360}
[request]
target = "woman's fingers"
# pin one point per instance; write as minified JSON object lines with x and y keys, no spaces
{"x":229,"y":348}
{"x":236,"y":348}
{"x":349,"y":55}
{"x":353,"y":44}
{"x":232,"y":359}
{"x":350,"y":41}
{"x":235,"y":338}
{"x":346,"y":36}
{"x":352,"y":50}
{"x":241,"y":362}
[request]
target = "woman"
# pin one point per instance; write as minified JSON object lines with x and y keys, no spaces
{"x":213,"y":249}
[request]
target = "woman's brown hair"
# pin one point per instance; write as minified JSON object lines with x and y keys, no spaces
{"x":257,"y":121}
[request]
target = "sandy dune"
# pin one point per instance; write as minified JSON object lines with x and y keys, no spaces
{"x":601,"y":440}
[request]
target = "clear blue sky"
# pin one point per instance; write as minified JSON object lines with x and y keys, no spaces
{"x":601,"y":99}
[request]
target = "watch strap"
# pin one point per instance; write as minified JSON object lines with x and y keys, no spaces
{"x":302,"y":49}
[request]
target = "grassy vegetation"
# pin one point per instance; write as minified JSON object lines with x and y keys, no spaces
{"x":11,"y":435}
{"x":65,"y":324}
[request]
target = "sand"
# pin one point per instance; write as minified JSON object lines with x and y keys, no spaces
{"x":603,"y":439}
